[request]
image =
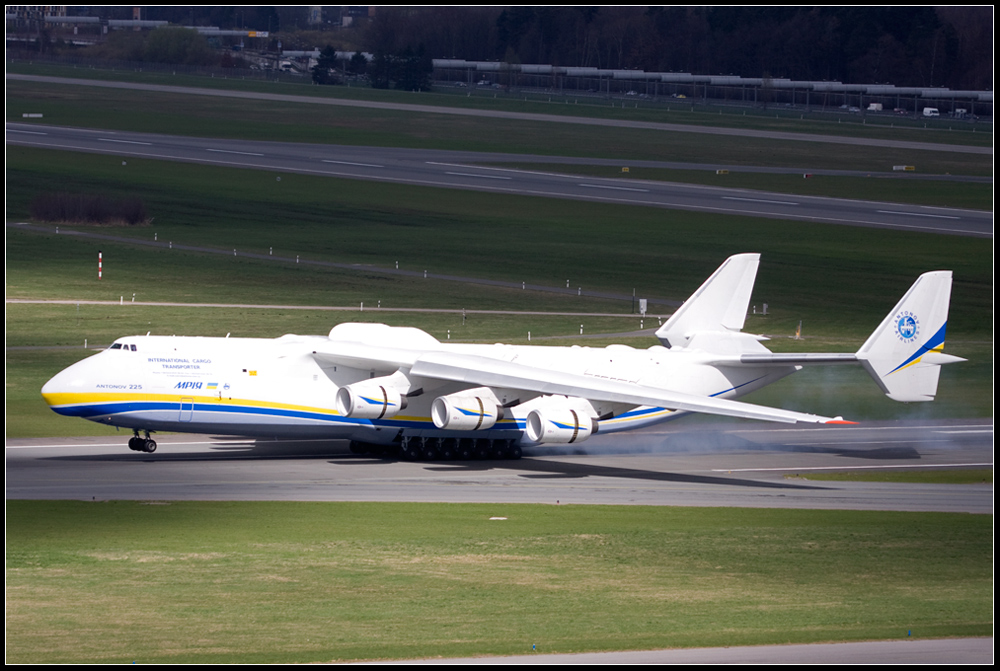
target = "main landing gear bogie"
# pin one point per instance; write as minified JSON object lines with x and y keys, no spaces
{"x":417,"y":448}
{"x":137,"y":444}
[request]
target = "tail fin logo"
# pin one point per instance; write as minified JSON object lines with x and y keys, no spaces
{"x":907,"y":326}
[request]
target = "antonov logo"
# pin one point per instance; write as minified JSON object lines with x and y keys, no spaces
{"x":907,"y":326}
{"x":188,"y":385}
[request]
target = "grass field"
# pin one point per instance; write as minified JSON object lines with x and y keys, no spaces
{"x":187,"y":582}
{"x":543,"y":241}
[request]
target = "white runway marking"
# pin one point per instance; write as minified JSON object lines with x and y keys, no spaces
{"x":471,"y":174}
{"x":107,"y":139}
{"x":230,"y":151}
{"x":362,"y":165}
{"x":615,"y":188}
{"x":760,"y":200}
{"x":918,"y":214}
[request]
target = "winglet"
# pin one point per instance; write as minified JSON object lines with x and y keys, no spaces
{"x":720,"y":304}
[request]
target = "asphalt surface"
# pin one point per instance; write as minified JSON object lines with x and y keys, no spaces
{"x":462,"y":170}
{"x":903,"y":651}
{"x":690,"y":462}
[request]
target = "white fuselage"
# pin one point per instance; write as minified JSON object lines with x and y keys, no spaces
{"x":280,"y":388}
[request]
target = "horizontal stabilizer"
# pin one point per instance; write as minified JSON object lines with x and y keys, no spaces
{"x":807,"y":359}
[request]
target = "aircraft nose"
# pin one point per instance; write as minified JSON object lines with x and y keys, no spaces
{"x":65,"y":386}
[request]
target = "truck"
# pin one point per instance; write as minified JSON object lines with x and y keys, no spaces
{"x":931,"y":111}
{"x":874,"y":107}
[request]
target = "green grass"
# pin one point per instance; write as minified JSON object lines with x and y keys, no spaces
{"x":189,"y":582}
{"x":208,"y":116}
{"x":830,"y":276}
{"x":963,"y":476}
{"x":942,"y":131}
{"x":967,"y":195}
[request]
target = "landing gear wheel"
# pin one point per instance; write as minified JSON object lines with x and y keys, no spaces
{"x":149,"y":445}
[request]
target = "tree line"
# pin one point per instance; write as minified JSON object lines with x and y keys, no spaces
{"x":905,"y":46}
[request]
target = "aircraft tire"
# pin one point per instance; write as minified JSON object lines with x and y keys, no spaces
{"x":149,"y":445}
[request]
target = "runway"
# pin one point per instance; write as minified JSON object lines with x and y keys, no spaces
{"x":465,"y":171}
{"x":700,"y":463}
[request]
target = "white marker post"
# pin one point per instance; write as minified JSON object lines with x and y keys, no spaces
{"x":100,"y":261}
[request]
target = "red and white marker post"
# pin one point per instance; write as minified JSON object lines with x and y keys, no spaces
{"x":100,"y":261}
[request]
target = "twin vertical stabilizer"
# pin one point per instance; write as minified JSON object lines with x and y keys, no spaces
{"x":904,"y":353}
{"x":719,"y":305}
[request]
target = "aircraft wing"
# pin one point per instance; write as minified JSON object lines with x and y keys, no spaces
{"x":361,"y":355}
{"x":484,"y":371}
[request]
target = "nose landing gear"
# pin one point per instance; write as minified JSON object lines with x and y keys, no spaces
{"x":138,"y":444}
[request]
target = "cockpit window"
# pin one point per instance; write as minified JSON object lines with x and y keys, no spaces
{"x":117,"y":345}
{"x":133,"y":347}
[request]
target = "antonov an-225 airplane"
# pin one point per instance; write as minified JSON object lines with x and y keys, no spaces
{"x":400,"y":390}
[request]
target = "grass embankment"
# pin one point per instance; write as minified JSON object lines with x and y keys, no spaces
{"x":210,"y":116}
{"x":314,"y":582}
{"x":688,"y":112}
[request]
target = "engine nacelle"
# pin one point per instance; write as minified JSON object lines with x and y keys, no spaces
{"x":369,"y":400}
{"x":567,"y":421}
{"x":469,"y":410}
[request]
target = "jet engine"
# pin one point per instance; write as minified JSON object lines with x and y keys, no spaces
{"x":561,"y":420}
{"x":370,"y":399}
{"x":467,"y":410}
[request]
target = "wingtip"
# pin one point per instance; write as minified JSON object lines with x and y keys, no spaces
{"x":839,"y":420}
